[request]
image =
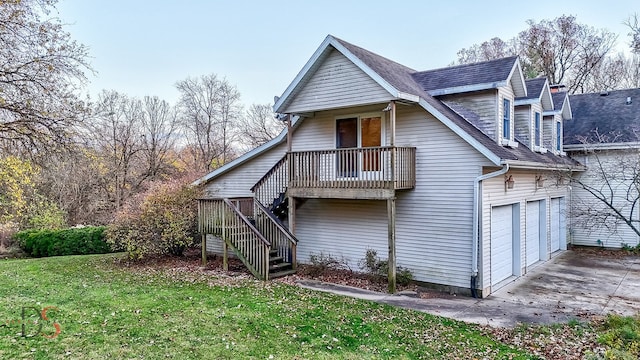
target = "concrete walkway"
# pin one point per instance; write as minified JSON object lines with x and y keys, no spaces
{"x":571,"y":285}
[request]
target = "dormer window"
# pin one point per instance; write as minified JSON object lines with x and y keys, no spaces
{"x":506,"y":121}
{"x":536,"y":129}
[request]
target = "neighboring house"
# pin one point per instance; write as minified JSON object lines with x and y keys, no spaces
{"x":604,"y":136}
{"x":451,"y":173}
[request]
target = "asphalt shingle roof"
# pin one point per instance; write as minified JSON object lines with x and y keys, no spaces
{"x":406,"y":80}
{"x":609,"y":115}
{"x":534,"y":87}
{"x":493,"y":71}
{"x":558,"y":99}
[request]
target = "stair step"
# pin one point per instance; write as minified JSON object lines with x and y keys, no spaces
{"x":282,"y":265}
{"x":276,"y":259}
{"x":273,"y":252}
{"x":281,"y":274}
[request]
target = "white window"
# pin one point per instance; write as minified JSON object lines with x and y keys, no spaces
{"x":536,"y":129}
{"x":506,"y":119}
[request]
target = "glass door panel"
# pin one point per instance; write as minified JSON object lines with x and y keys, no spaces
{"x":347,"y":137}
{"x":371,"y":136}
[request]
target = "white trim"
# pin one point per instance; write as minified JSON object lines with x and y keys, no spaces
{"x":463,"y":134}
{"x":518,"y":164}
{"x":602,"y":146}
{"x":547,"y":93}
{"x":523,"y":85}
{"x":408,"y":97}
{"x":467,"y":88}
{"x":528,"y":101}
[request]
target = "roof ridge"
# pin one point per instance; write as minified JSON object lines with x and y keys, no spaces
{"x":372,"y":53}
{"x":470,"y":64}
{"x":608,"y":91}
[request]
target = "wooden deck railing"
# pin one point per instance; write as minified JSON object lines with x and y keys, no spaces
{"x":365,"y":168}
{"x":223,"y":218}
{"x":272,"y":228}
{"x":273,"y":183}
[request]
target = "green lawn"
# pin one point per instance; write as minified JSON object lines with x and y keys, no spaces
{"x":106,"y":310}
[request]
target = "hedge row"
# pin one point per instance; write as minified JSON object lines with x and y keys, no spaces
{"x":75,"y":241}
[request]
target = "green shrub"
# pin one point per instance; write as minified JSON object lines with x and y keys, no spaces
{"x":621,"y":334}
{"x":377,"y":267}
{"x":74,"y":241}
{"x":162,"y":221}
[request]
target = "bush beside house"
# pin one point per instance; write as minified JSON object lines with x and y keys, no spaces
{"x":162,"y":222}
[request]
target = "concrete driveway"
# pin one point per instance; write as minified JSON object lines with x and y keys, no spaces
{"x":574,"y":284}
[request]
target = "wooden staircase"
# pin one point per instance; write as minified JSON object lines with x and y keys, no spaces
{"x":278,"y":267}
{"x":253,"y":228}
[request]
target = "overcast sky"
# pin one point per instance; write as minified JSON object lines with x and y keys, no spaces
{"x":144,"y":47}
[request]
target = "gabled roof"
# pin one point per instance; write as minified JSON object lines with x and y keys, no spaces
{"x":607,"y":114}
{"x":472,"y":77}
{"x":537,"y":91}
{"x":402,"y":83}
{"x":561,"y":105}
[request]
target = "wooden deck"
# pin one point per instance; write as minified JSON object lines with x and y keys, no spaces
{"x":357,"y":173}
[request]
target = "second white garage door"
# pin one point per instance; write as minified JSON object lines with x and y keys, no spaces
{"x":501,"y":243}
{"x":555,"y":224}
{"x":536,"y":232}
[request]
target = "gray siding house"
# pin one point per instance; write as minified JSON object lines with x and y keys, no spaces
{"x":446,"y":172}
{"x":604,"y":136}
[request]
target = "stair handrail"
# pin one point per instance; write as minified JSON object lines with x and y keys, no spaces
{"x":277,"y":222}
{"x":247,"y":222}
{"x":273,"y":169}
{"x":274,"y":182}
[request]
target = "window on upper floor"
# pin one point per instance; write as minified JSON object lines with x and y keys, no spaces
{"x":558,"y":136}
{"x":506,"y":121}
{"x":536,"y":129}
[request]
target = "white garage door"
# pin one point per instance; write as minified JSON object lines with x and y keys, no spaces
{"x":555,"y":224}
{"x":533,"y":232}
{"x":501,"y":243}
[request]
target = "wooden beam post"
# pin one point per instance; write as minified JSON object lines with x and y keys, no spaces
{"x":225,"y":256}
{"x":289,"y":133}
{"x":204,"y":250}
{"x":391,"y":221}
{"x":292,"y":227}
{"x":392,"y":120}
{"x":392,"y":143}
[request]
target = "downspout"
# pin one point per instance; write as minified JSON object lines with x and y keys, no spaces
{"x":476,"y":225}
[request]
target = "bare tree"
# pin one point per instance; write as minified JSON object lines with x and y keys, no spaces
{"x":613,"y":183}
{"x":118,"y":139}
{"x":495,"y":48}
{"x":562,"y":49}
{"x":633,"y":23}
{"x":40,"y":70}
{"x":259,"y":125}
{"x":209,"y":108}
{"x":159,"y":123}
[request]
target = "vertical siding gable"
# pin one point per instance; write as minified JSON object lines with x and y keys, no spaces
{"x":337,"y":83}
